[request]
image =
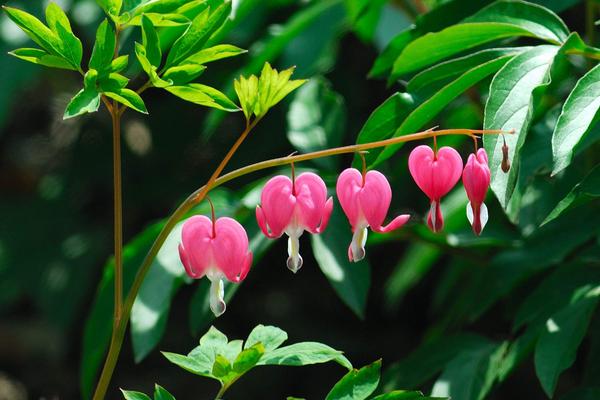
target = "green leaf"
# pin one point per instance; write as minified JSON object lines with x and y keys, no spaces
{"x":406,"y":395}
{"x":111,"y":7}
{"x":182,"y":74}
{"x":197,"y":365}
{"x":557,"y":347}
{"x":582,"y":193}
{"x":41,"y":57}
{"x":151,"y":42}
{"x":149,"y":69}
{"x":161,"y":393}
{"x":351,"y":281}
{"x":270,"y":337}
{"x":578,"y":113}
{"x":87,"y":100}
{"x":427,"y":110}
{"x":198,"y":33}
{"x":273,"y":86}
{"x":248,"y":358}
{"x":151,"y":307}
{"x":436,"y":76}
{"x":471,"y":374}
{"x":130,"y":98}
{"x":70,"y":45}
{"x":119,"y":63}
{"x":386,"y":59}
{"x":510,"y":106}
{"x":36,"y":30}
{"x":247,"y":92}
{"x":158,"y":7}
{"x":221,"y":367}
{"x":203,"y":95}
{"x":357,"y":384}
{"x":131,"y":395}
{"x":215,"y":53}
{"x":104,"y":48}
{"x":305,"y":353}
{"x":383,"y":122}
{"x":160,"y":20}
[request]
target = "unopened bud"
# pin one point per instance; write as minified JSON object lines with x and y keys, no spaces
{"x":505,"y":162}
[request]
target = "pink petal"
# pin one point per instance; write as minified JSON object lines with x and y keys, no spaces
{"x":435,"y":219}
{"x":476,"y":177}
{"x":395,"y":224}
{"x":375,"y":198}
{"x":230,"y":248}
{"x":348,"y":187}
{"x":326,"y":214}
{"x":186,"y":264}
{"x":311,"y":195}
{"x":435,"y":177}
{"x":196,"y":237}
{"x":262,"y":223}
{"x":277,"y":203}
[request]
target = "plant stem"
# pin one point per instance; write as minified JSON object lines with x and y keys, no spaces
{"x":118,"y":213}
{"x":590,"y":8}
{"x":214,"y":181}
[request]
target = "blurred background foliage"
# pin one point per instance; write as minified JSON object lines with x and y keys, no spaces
{"x":443,"y":311}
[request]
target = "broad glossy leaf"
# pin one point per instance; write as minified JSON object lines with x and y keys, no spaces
{"x":183,"y":74}
{"x":304,"y":353}
{"x":383,"y":122}
{"x":132,"y":395}
{"x":158,"y":7}
{"x":351,"y":281}
{"x":160,"y":20}
{"x":104,"y":47}
{"x":578,"y":113}
{"x":119,"y":63}
{"x":41,"y":57}
{"x":160,"y":393}
{"x":87,"y":100}
{"x":357,"y":384}
{"x":557,"y":347}
{"x":271,"y":337}
{"x":471,"y":374}
{"x":215,"y":53}
{"x":203,"y":95}
{"x":198,"y":33}
{"x":70,"y":45}
{"x":427,"y":110}
{"x":151,"y":42}
{"x":509,"y":106}
{"x":130,"y":98}
{"x":386,"y":59}
{"x":149,"y":69}
{"x":35,"y":29}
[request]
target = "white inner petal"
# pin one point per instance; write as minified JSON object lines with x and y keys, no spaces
{"x":294,"y":261}
{"x":484,"y":215}
{"x":470,"y":216}
{"x":359,"y":239}
{"x":217,"y":297}
{"x":432,"y":212}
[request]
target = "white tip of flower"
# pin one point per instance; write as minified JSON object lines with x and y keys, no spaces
{"x":470,"y":215}
{"x":217,"y":297}
{"x":294,"y":261}
{"x":359,"y":239}
{"x":484,"y":215}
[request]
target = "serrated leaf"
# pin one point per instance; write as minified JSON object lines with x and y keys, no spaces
{"x":215,"y":53}
{"x":70,"y":45}
{"x":129,"y":98}
{"x":41,"y":57}
{"x":509,"y":106}
{"x":104,"y":48}
{"x":357,"y":384}
{"x":198,"y":33}
{"x":351,"y":281}
{"x":557,"y":347}
{"x":203,"y":95}
{"x":577,"y":116}
{"x":151,"y":42}
{"x":305,"y":353}
{"x":582,"y":193}
{"x":87,"y":100}
{"x":183,"y":74}
{"x":427,"y":110}
{"x":271,"y":337}
{"x":248,"y":358}
{"x":132,"y":395}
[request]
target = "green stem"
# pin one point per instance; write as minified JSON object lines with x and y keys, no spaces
{"x":590,"y":11}
{"x":215,"y":181}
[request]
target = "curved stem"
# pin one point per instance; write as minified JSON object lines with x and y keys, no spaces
{"x":118,"y":215}
{"x":215,"y":181}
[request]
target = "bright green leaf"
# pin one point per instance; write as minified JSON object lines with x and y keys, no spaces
{"x":151,"y":42}
{"x":131,"y":395}
{"x":357,"y":384}
{"x":160,"y":20}
{"x":119,"y":63}
{"x":215,"y":53}
{"x":130,"y":98}
{"x":203,"y":95}
{"x":41,"y":57}
{"x":36,"y":30}
{"x":182,"y":74}
{"x":221,"y":367}
{"x":248,"y":358}
{"x":85,"y":101}
{"x":160,"y":393}
{"x":578,"y":113}
{"x":104,"y":47}
{"x":557,"y":347}
{"x":70,"y":45}
{"x":149,"y":69}
{"x":271,"y":337}
{"x":111,"y":7}
{"x":406,"y":395}
{"x":305,"y":353}
{"x":509,"y":107}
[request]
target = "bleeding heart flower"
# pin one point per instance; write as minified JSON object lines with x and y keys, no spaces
{"x":476,"y":179}
{"x":435,"y":174}
{"x":217,"y":251}
{"x":365,"y":201}
{"x":291,"y":207}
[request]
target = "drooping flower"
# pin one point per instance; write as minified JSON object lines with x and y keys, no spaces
{"x":365,"y":201}
{"x":218,"y":251}
{"x":476,"y":179}
{"x":435,"y":174}
{"x":291,"y":207}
